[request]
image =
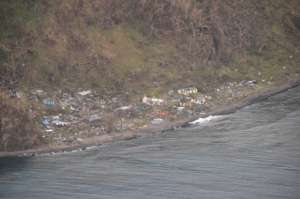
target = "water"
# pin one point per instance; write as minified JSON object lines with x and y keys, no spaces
{"x":253,"y":153}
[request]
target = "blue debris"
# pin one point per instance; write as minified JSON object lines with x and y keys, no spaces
{"x":45,"y":121}
{"x":49,"y":103}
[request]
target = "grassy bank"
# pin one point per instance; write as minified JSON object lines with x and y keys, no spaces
{"x":130,"y":49}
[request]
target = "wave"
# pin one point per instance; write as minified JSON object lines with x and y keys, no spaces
{"x":204,"y":120}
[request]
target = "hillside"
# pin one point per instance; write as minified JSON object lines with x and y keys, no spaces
{"x":136,"y":48}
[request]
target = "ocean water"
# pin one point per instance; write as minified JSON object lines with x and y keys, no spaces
{"x":253,"y":153}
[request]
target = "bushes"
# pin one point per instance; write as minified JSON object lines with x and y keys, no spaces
{"x":17,"y":129}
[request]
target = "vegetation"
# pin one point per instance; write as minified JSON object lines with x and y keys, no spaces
{"x":138,"y":47}
{"x":18,"y":130}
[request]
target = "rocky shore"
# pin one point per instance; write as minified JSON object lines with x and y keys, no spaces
{"x":82,"y":119}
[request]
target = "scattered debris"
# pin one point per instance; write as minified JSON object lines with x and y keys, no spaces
{"x":152,"y":101}
{"x":38,"y":92}
{"x":59,"y":123}
{"x":248,"y":82}
{"x":49,"y":103}
{"x":187,"y":91}
{"x":84,"y":93}
{"x":124,"y":108}
{"x":49,"y":130}
{"x":84,"y":114}
{"x":48,"y":121}
{"x":180,"y":108}
{"x":94,"y":118}
{"x":157,"y":121}
{"x":45,"y":121}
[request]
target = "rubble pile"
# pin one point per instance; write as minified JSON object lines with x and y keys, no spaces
{"x":68,"y":117}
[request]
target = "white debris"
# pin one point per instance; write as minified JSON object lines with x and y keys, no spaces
{"x":187,"y":91}
{"x":152,"y":101}
{"x":180,"y":108}
{"x":94,"y":118}
{"x":49,"y":130}
{"x":198,"y":101}
{"x":38,"y":92}
{"x":157,"y":121}
{"x":84,"y":93}
{"x":59,"y":123}
{"x":56,"y":117}
{"x":124,"y":108}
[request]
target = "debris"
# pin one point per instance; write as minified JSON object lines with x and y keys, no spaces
{"x":198,"y":101}
{"x":152,"y":101}
{"x":157,"y":121}
{"x":248,"y":82}
{"x":49,"y":103}
{"x":84,"y":93}
{"x":162,"y":114}
{"x":180,"y":108}
{"x":45,"y":121}
{"x":49,"y":130}
{"x":38,"y":92}
{"x":94,"y":118}
{"x":59,"y":123}
{"x":124,"y":108}
{"x":187,"y":91}
{"x":171,"y":92}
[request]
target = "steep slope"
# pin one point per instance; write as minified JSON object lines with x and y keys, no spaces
{"x":147,"y":47}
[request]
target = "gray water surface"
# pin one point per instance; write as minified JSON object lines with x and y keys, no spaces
{"x":253,"y":153}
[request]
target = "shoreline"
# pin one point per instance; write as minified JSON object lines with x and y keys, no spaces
{"x":166,"y":126}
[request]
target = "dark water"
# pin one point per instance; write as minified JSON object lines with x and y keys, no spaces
{"x":254,"y":153}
